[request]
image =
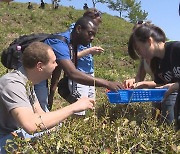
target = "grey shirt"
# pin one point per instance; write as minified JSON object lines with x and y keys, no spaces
{"x":14,"y":93}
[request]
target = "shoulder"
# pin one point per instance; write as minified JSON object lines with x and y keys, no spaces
{"x":172,"y":45}
{"x":59,"y":45}
{"x":15,"y":76}
{"x":52,"y":41}
{"x":13,"y":81}
{"x":176,"y":45}
{"x":13,"y":90}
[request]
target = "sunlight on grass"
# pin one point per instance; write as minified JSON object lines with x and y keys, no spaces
{"x":123,"y":129}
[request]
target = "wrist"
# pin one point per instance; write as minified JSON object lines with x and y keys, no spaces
{"x":73,"y":108}
{"x":89,"y":51}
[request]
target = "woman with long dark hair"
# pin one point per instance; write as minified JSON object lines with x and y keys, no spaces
{"x":149,"y":42}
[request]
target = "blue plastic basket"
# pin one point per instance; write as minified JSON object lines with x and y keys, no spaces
{"x":136,"y":95}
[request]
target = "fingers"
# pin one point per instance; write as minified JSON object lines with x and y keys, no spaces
{"x":117,"y":86}
{"x":91,"y":106}
{"x":125,"y":83}
{"x":115,"y":89}
{"x":98,"y":49}
{"x":121,"y":86}
{"x":90,"y":102}
{"x":129,"y":83}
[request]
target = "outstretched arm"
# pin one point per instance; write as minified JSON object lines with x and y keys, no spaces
{"x":93,"y":50}
{"x":144,"y":84}
{"x":32,"y":122}
{"x":130,"y":83}
{"x":85,"y":79}
{"x":172,"y":87}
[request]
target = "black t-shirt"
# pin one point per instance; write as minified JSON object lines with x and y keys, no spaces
{"x":169,"y":67}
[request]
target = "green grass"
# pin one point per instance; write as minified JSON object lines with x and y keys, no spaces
{"x":110,"y":128}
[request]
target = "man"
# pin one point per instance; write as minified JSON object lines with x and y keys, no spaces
{"x":83,"y":34}
{"x":42,"y":6}
{"x":85,"y":7}
{"x":85,"y":61}
{"x":29,"y":5}
{"x":19,"y":106}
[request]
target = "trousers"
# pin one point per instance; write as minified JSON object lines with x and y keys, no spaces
{"x":20,"y":133}
{"x":41,"y":91}
{"x":83,"y":90}
{"x":167,"y":108}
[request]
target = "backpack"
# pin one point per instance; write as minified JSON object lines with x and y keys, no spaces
{"x":11,"y":57}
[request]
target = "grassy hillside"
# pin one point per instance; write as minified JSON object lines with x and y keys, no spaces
{"x":110,"y":128}
{"x":17,"y":20}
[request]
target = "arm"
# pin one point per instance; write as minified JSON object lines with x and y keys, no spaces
{"x":85,"y":79}
{"x":172,"y":87}
{"x":130,"y":83}
{"x":63,"y":60}
{"x":144,"y":84}
{"x":32,"y":122}
{"x":93,"y":50}
{"x":141,"y":72}
{"x":54,"y":81}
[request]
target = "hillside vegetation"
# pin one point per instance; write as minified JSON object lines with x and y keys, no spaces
{"x":109,"y":128}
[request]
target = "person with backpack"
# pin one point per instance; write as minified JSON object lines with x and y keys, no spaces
{"x":167,"y":107}
{"x":20,"y":111}
{"x":30,"y":6}
{"x":85,"y":61}
{"x":83,"y":33}
{"x":42,"y":5}
{"x":85,"y":7}
{"x":148,"y":42}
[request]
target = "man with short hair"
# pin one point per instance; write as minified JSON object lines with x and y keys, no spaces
{"x":83,"y":34}
{"x":85,"y":62}
{"x":19,"y":106}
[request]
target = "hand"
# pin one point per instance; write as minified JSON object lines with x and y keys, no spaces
{"x":144,"y":84}
{"x":83,"y":103}
{"x":140,"y":85}
{"x":172,"y":87}
{"x":129,"y":83}
{"x":114,"y":86}
{"x":96,"y":50}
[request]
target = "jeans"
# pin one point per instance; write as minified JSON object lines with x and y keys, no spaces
{"x":20,"y":133}
{"x":167,"y":108}
{"x":177,"y":111}
{"x":41,"y":91}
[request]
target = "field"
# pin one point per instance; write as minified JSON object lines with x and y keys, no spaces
{"x":123,"y":129}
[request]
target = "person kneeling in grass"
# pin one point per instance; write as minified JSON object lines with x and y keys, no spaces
{"x":19,"y":106}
